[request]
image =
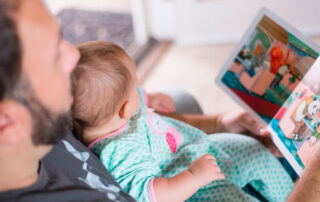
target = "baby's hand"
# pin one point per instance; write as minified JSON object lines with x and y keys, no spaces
{"x":205,"y":169}
{"x":161,"y":102}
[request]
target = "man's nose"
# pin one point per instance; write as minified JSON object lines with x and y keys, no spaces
{"x":73,"y":57}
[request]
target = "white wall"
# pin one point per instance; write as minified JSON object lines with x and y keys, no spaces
{"x":56,"y":6}
{"x":161,"y":18}
{"x":193,"y":22}
{"x":139,"y":22}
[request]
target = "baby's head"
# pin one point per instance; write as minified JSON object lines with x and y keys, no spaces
{"x":104,"y":85}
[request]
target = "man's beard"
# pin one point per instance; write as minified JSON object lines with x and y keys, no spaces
{"x":48,"y":127}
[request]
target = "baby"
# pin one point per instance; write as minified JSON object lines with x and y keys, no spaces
{"x":155,"y":158}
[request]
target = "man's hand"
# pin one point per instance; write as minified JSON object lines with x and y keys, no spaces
{"x":233,"y":122}
{"x":205,"y":170}
{"x":161,"y":102}
{"x":241,"y":122}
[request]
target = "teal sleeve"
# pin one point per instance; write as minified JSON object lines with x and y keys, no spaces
{"x":143,"y":97}
{"x":132,"y":165}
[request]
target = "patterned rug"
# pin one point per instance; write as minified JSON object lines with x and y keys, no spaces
{"x":79,"y":26}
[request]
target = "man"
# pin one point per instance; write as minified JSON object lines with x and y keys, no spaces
{"x":35,"y":68}
{"x":307,"y":188}
{"x":35,"y":99}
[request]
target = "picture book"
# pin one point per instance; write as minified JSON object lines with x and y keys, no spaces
{"x":273,"y":74}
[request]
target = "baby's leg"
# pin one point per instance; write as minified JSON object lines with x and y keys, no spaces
{"x":251,"y":163}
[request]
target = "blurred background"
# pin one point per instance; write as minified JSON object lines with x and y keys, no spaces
{"x":178,"y":43}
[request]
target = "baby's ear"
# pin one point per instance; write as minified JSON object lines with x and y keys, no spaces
{"x":124,"y":112}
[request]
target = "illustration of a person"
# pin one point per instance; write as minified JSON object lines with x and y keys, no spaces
{"x":306,"y":111}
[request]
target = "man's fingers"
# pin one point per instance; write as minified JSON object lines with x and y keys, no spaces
{"x":264,"y":132}
{"x":252,"y":125}
{"x":161,"y":102}
{"x":275,"y":151}
{"x":167,"y":100}
{"x":169,"y":103}
{"x":269,"y":144}
{"x":167,"y":107}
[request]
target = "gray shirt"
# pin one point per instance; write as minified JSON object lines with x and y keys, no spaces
{"x":70,"y":172}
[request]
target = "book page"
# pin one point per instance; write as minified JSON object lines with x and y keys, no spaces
{"x":297,"y":124}
{"x":268,"y":67}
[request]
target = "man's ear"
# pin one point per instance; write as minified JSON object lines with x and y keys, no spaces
{"x":4,"y":121}
{"x":5,"y":125}
{"x":12,"y":117}
{"x":124,"y":112}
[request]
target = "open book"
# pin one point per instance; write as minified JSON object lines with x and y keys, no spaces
{"x":274,"y":73}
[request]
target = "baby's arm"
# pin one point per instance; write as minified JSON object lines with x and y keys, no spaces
{"x":161,"y":102}
{"x":182,"y":186}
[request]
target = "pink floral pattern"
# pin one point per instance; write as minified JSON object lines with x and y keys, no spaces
{"x":162,"y":128}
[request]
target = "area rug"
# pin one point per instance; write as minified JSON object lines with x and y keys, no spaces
{"x":79,"y":26}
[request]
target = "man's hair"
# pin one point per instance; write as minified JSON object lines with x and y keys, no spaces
{"x":48,"y":128}
{"x":10,"y":51}
{"x":101,"y":82}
